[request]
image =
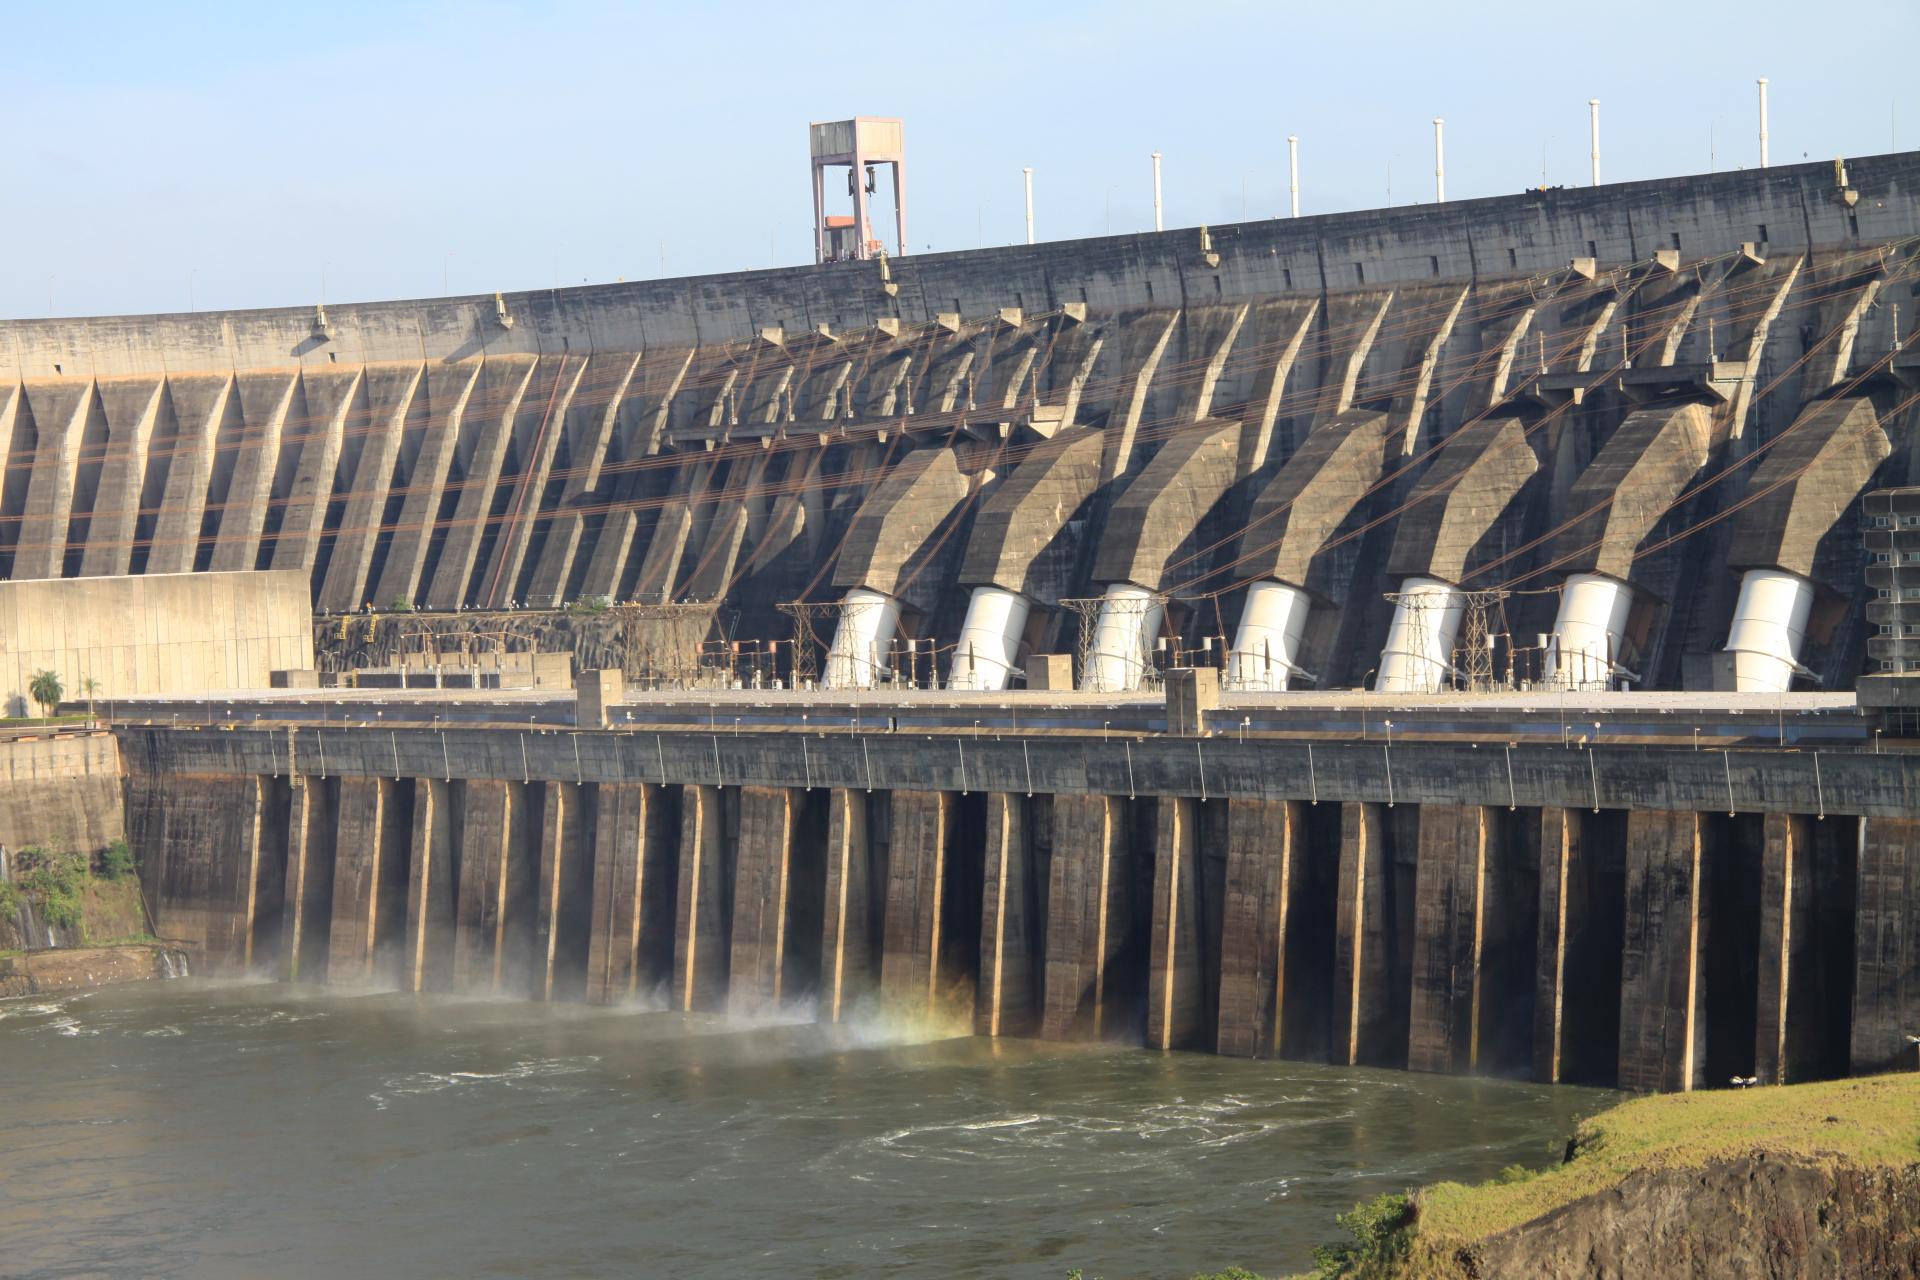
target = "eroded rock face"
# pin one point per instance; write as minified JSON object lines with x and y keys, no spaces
{"x":1758,"y":1216}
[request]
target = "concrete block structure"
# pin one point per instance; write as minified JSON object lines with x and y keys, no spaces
{"x":152,"y":633}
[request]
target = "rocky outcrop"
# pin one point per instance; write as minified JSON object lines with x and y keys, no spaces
{"x":1759,"y":1215}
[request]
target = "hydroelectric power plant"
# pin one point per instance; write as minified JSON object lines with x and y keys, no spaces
{"x":1467,"y":638}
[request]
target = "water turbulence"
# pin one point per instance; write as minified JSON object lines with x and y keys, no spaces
{"x":231,"y":1127}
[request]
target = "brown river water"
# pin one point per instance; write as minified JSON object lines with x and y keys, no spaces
{"x":206,"y":1129}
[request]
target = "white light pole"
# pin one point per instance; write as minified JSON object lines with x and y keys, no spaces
{"x":1763,"y":121}
{"x":1028,"y":171}
{"x":1593,"y":130}
{"x":1293,"y":171}
{"x":1439,"y":161}
{"x":1156,"y":192}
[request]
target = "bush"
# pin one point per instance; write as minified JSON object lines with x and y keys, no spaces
{"x":53,"y":878}
{"x":117,"y":861}
{"x":399,"y":604}
{"x":9,"y":901}
{"x":1378,"y":1228}
{"x":588,"y":606}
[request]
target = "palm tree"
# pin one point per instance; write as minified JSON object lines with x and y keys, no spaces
{"x":89,"y":687}
{"x":46,"y":690}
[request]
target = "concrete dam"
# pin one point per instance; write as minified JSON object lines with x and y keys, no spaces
{"x":1452,"y":637}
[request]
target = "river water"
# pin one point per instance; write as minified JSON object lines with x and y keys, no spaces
{"x":204,"y":1129}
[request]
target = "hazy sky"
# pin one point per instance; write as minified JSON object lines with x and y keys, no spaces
{"x":243,"y":155}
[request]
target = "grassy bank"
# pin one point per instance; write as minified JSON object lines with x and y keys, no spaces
{"x":1870,"y":1123}
{"x":1873,"y":1121}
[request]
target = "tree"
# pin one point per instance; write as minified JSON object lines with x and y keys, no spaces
{"x":89,"y":687}
{"x":47,"y":690}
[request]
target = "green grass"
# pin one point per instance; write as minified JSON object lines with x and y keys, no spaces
{"x":1870,"y":1121}
{"x":67,"y":894}
{"x":78,"y":717}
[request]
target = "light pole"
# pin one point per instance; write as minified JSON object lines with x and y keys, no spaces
{"x":1439,"y":161}
{"x":1293,"y":173}
{"x":1593,"y":130}
{"x":1156,"y":192}
{"x":1762,"y":82}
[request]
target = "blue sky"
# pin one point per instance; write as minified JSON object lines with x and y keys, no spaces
{"x":229,"y":155}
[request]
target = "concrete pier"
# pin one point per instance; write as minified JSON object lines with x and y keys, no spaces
{"x":369,"y":881}
{"x":432,"y":923}
{"x":1886,"y":984}
{"x":703,"y":902}
{"x":853,"y":904}
{"x":1013,"y":913}
{"x":1372,"y":935}
{"x":1576,"y":998}
{"x":1263,"y":927}
{"x":1472,"y":943}
{"x":630,"y":947}
{"x":1189,"y":884}
{"x":565,"y":904}
{"x":779,"y":897}
{"x":309,"y":879}
{"x":1092,"y":942}
{"x":929,"y":957}
{"x":1686,"y":1017}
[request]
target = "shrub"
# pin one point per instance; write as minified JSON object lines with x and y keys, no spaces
{"x":52,"y":878}
{"x":1378,"y":1228}
{"x":589,"y":606}
{"x":117,"y":861}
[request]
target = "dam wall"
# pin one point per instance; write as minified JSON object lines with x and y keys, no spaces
{"x":1788,"y":208}
{"x":1653,"y":391}
{"x":1653,"y":917}
{"x":61,"y":788}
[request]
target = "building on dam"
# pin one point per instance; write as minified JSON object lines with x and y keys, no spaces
{"x":1465,"y":637}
